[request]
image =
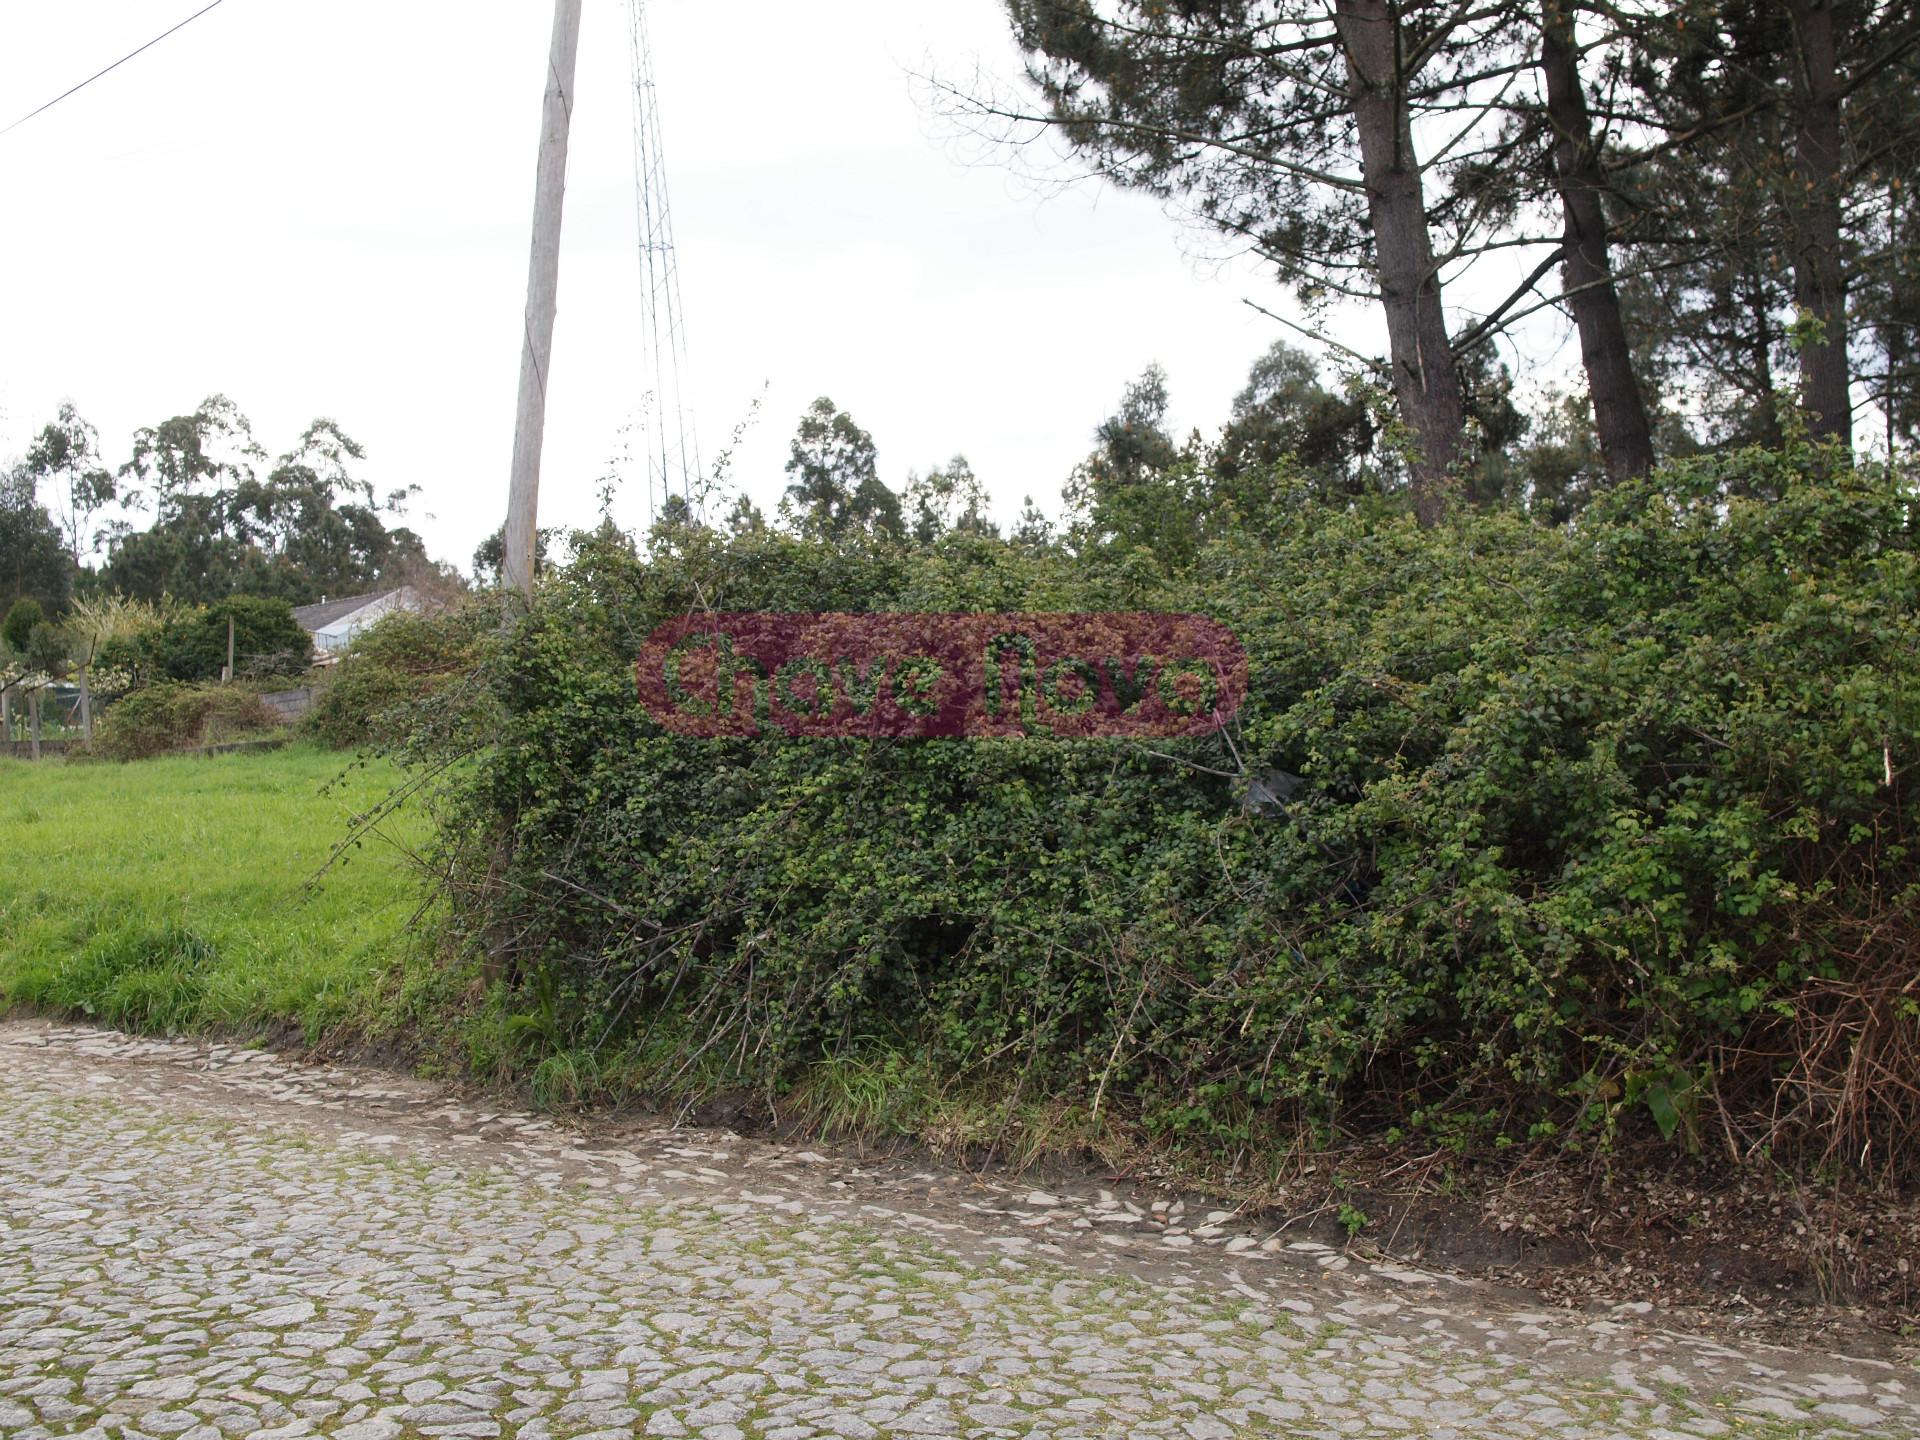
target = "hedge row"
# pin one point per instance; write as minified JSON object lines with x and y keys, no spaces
{"x":1599,"y":827}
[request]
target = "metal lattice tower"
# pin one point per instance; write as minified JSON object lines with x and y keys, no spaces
{"x":668,"y":438}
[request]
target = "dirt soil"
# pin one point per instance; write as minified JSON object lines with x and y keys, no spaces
{"x":1731,"y":1245}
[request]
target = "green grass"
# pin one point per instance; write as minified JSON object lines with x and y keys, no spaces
{"x":174,"y":894}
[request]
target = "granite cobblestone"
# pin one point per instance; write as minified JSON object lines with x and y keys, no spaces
{"x":203,"y":1241}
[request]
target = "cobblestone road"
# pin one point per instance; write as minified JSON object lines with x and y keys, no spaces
{"x":205,"y":1241}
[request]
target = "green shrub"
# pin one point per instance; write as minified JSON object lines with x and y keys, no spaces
{"x":1601,"y":827}
{"x":22,"y":618}
{"x":170,"y":716}
{"x":191,"y":645}
{"x":373,"y":694}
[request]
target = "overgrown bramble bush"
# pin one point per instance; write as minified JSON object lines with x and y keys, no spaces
{"x":374,"y":693}
{"x":1601,"y":827}
{"x":170,"y":716}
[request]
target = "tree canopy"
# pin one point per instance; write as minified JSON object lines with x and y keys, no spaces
{"x":835,"y":484}
{"x":1378,"y":152}
{"x":198,"y":512}
{"x":228,"y":522}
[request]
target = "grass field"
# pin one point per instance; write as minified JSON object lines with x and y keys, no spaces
{"x":177,"y":893}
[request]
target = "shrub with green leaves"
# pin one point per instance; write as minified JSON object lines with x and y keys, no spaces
{"x":190,"y":645}
{"x":373,"y":694}
{"x":1602,"y":827}
{"x":16,"y":630}
{"x":171,"y":716}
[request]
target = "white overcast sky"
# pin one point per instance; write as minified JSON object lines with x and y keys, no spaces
{"x":321,"y":207}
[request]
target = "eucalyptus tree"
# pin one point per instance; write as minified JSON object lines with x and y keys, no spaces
{"x":319,"y":526}
{"x":207,"y":454}
{"x":65,"y":456}
{"x":948,"y":500}
{"x":836,"y":486}
{"x":227,"y":520}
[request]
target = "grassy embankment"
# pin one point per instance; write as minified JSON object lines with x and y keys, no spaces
{"x":181,"y":893}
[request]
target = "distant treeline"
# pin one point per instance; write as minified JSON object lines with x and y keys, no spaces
{"x":197,"y":513}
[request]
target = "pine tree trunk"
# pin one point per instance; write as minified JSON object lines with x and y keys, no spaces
{"x":1771,"y":434}
{"x":1619,"y":411}
{"x":33,"y":712}
{"x":1819,"y":274}
{"x":1426,"y":381}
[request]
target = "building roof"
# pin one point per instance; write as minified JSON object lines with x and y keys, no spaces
{"x":315,"y":618}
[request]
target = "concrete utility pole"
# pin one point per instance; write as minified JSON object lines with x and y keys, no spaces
{"x":543,"y":293}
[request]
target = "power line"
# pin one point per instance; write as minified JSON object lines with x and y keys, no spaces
{"x":110,"y":69}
